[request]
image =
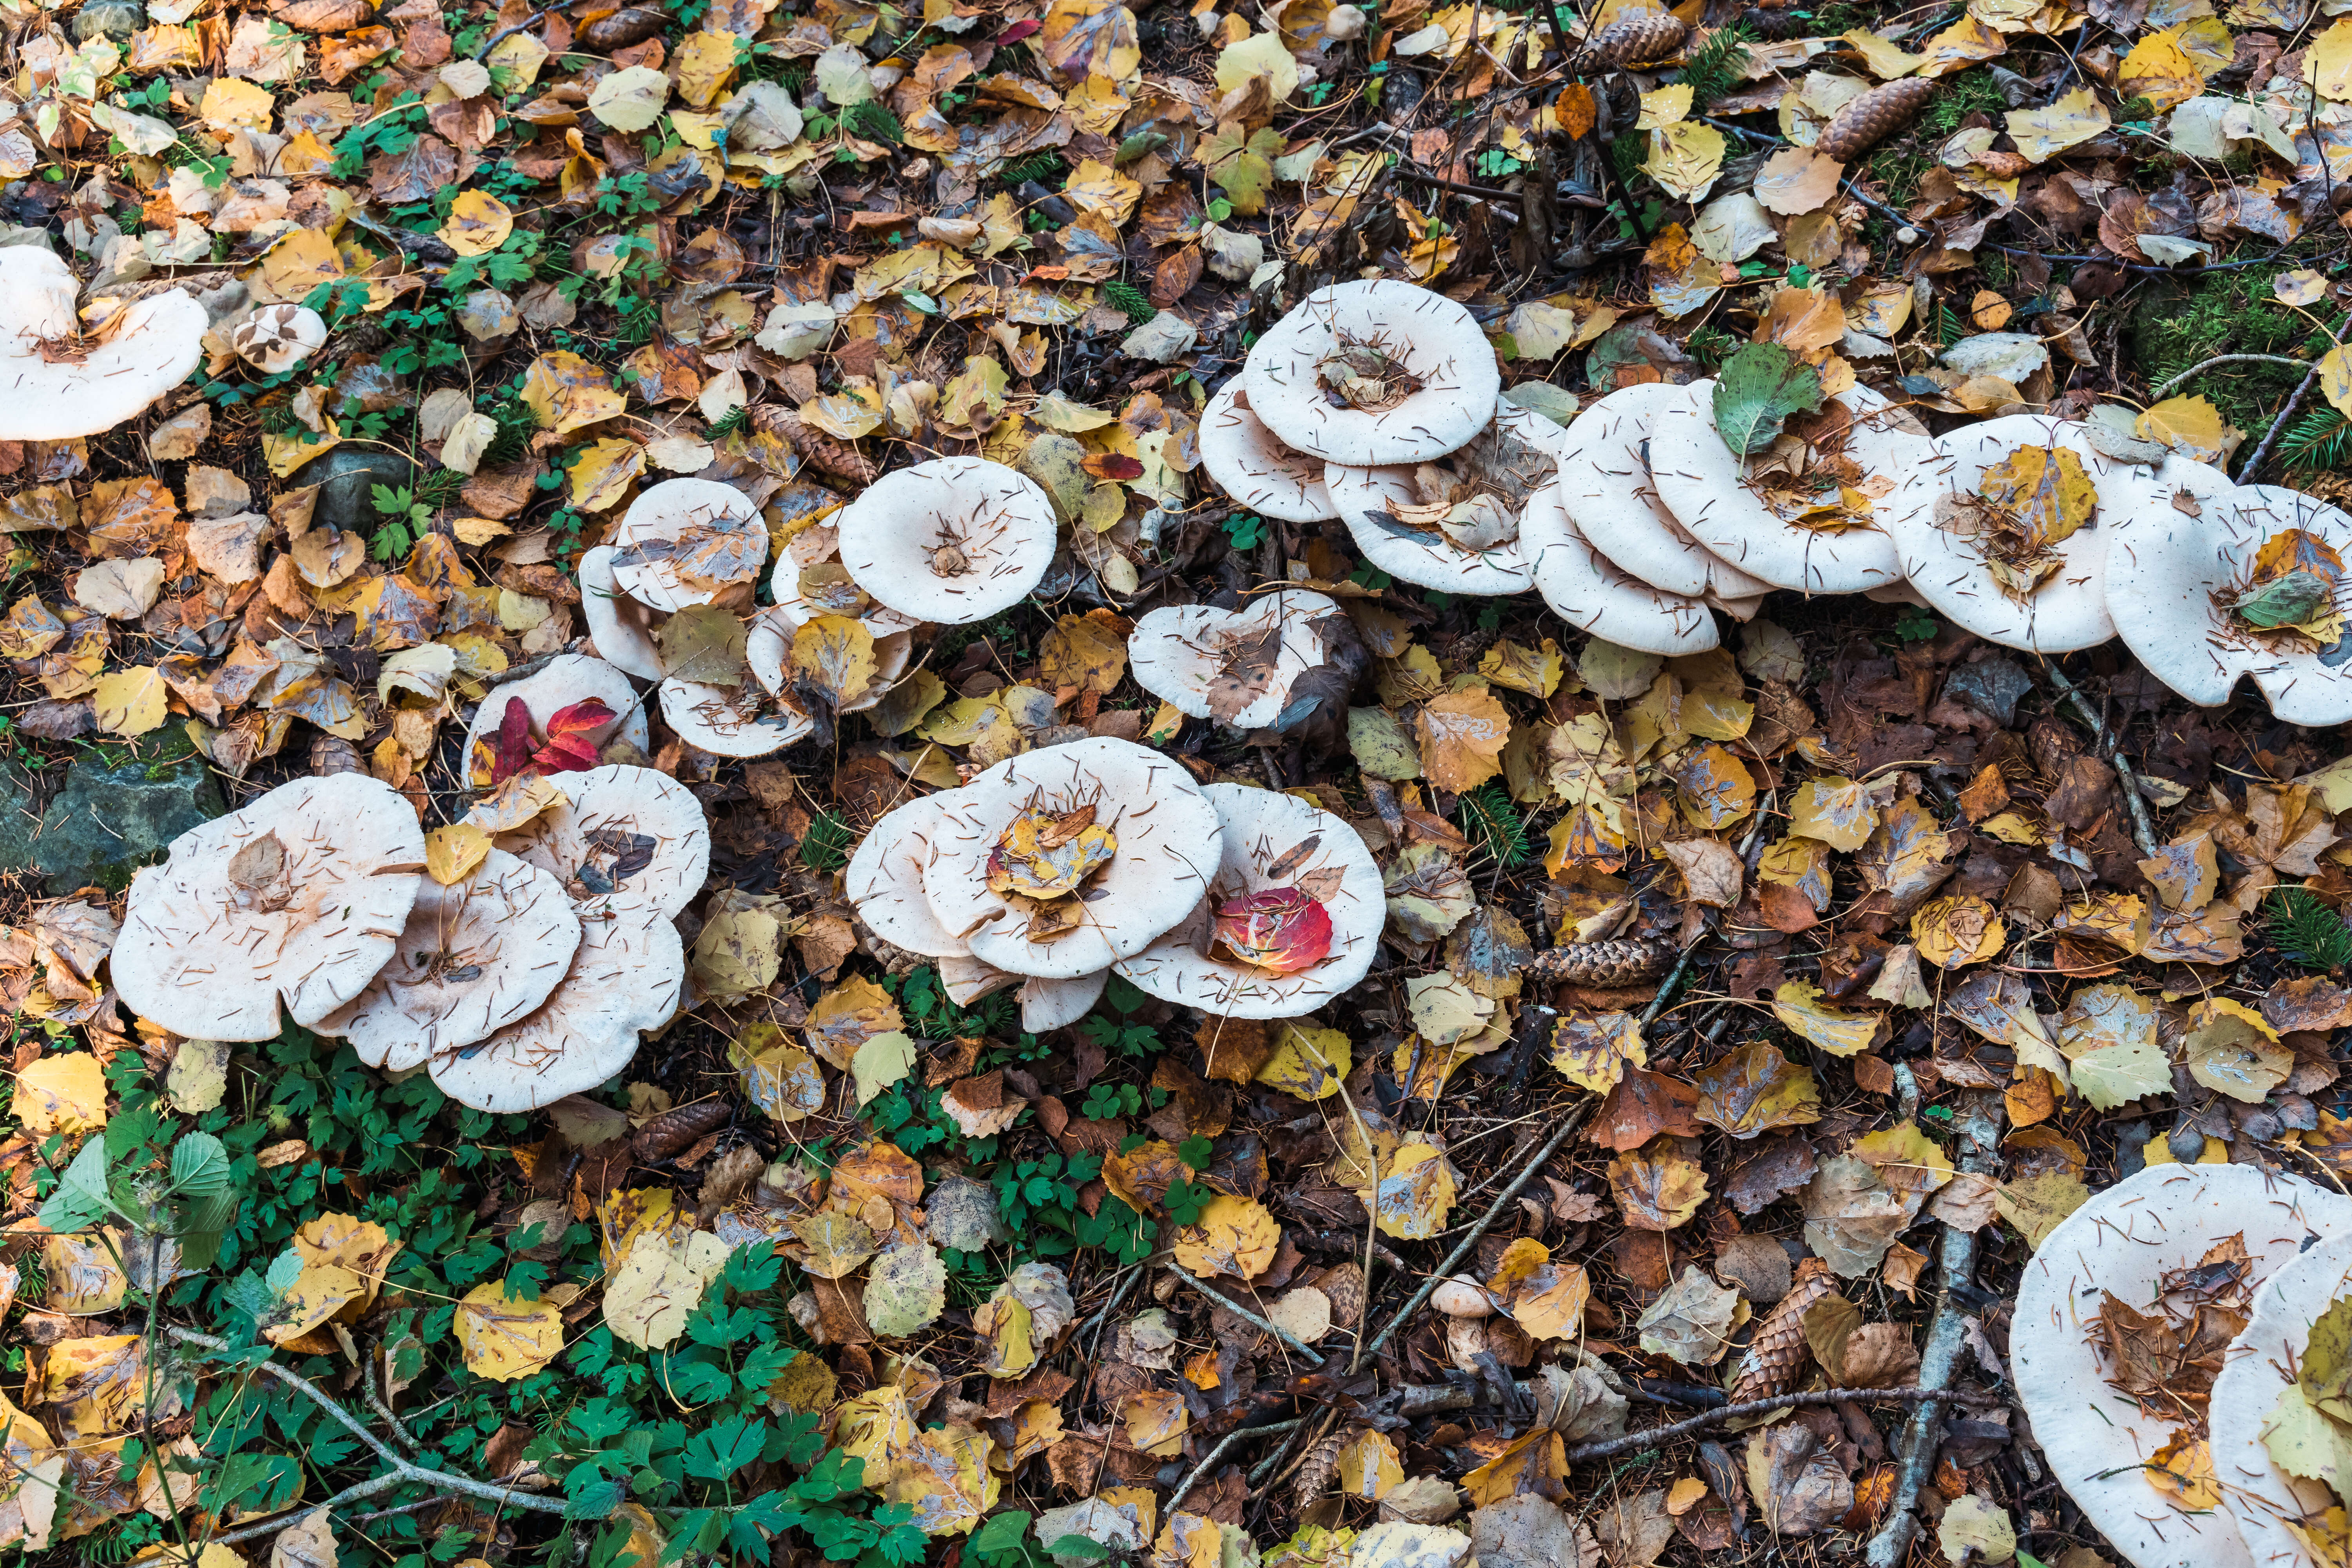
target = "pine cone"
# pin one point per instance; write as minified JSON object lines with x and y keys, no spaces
{"x":1777,"y":1354}
{"x":1604,"y":964}
{"x":1635,"y":41}
{"x":1873,"y":118}
{"x":1316,"y":1470}
{"x":836,"y":457}
{"x":1345,"y":1286}
{"x":331,"y":754}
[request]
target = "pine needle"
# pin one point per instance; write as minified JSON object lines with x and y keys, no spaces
{"x":2322,"y":438}
{"x":1716,"y":66}
{"x":826,"y":845}
{"x":1043,"y":167}
{"x":2306,"y":931}
{"x":1491,"y":822}
{"x":1130,"y":298}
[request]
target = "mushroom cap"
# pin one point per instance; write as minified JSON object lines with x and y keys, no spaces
{"x":209,"y":959}
{"x":1253,"y":465}
{"x":734,"y":723}
{"x":1703,"y":484}
{"x":818,"y":544}
{"x":1051,"y":1003}
{"x":966,"y":979}
{"x":620,"y":628}
{"x":627,"y":975}
{"x":770,"y":642}
{"x":149,"y":349}
{"x":2164,"y":567}
{"x":663,"y":514}
{"x":2123,"y":1240}
{"x":1585,"y":589}
{"x":1433,"y":338}
{"x":1605,"y":487}
{"x":1262,"y":829}
{"x":476,"y":956}
{"x":1176,"y":652}
{"x":566,"y":679}
{"x":1427,"y":558}
{"x":1166,"y":852}
{"x":277,"y":338}
{"x":994,"y":517}
{"x":885,"y":879}
{"x":626,"y":841}
{"x":2256,"y":1493}
{"x":2069,"y":610}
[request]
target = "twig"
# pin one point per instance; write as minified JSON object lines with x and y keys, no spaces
{"x":1568,"y":1125}
{"x":2172,"y":381}
{"x":1246,"y":1315}
{"x":2253,"y":467}
{"x":1649,"y":1437}
{"x":503,"y":33}
{"x":1484,"y":193}
{"x":2143,"y":830}
{"x":1224,"y":1442}
{"x":2133,"y":266}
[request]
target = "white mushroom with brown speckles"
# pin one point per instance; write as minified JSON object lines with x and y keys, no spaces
{"x":60,"y":379}
{"x":1453,"y":522}
{"x":952,"y":541}
{"x":1255,"y":466}
{"x":1234,"y":666}
{"x":685,"y":541}
{"x":1607,"y":492}
{"x":1372,"y":374}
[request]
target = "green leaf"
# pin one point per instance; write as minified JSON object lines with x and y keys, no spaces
{"x":80,"y":1200}
{"x":2325,"y":1371}
{"x":1760,"y":388}
{"x":1003,"y":1534}
{"x":2286,"y":601}
{"x":1094,"y":1551}
{"x":199,"y":1166}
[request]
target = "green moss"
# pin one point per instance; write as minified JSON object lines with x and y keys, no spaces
{"x":2178,"y":325}
{"x":1970,"y":92}
{"x":1897,"y":171}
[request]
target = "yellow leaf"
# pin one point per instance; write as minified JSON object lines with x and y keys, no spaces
{"x":503,"y":1340}
{"x":232,"y":103}
{"x":130,"y":701}
{"x":603,"y":473}
{"x":2336,"y":365}
{"x":1798,"y":1005}
{"x":1953,"y":932}
{"x":319,"y":1292}
{"x":2041,"y":134}
{"x":2191,"y":426}
{"x":1885,"y":60}
{"x":1416,"y":1193}
{"x":1263,"y":55}
{"x":1685,"y":159}
{"x":62,"y":1096}
{"x":1005,"y":1322}
{"x":1664,"y":107}
{"x":1083,"y":653}
{"x":1461,"y":738}
{"x":1592,"y":1051}
{"x":658,"y":1285}
{"x":478,"y":222}
{"x":1307,"y":1062}
{"x":2160,"y":70}
{"x":836,"y":654}
{"x":565,"y":392}
{"x":1835,"y":811}
{"x":1369,"y":1467}
{"x":1156,"y":1422}
{"x":1232,"y":1236}
{"x":2327,"y":65}
{"x":2047,"y":487}
{"x":451,"y":853}
{"x":944,"y":1476}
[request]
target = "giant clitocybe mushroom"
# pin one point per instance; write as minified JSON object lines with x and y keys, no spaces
{"x":58,"y":381}
{"x":1373,"y":373}
{"x":951,"y":541}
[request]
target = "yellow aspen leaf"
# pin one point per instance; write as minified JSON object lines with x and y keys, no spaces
{"x":1232,"y":1236}
{"x":130,"y":701}
{"x":1462,"y":737}
{"x":503,"y":1339}
{"x":478,"y":224}
{"x":451,"y":853}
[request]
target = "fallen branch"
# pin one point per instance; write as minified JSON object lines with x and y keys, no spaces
{"x":2252,"y":469}
{"x":1246,"y":1315}
{"x":2207,"y":364}
{"x":1224,"y":1442}
{"x":1649,"y":1437}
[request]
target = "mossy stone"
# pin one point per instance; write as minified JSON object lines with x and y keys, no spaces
{"x":106,"y":823}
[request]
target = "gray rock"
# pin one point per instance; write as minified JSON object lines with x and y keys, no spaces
{"x":347,"y":477}
{"x":106,"y":823}
{"x":114,"y":19}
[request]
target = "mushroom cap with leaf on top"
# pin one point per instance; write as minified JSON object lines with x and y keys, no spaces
{"x":477,"y":956}
{"x":2261,"y":1365}
{"x":1929,"y":513}
{"x":1705,"y":485}
{"x":125,"y":363}
{"x":301,"y":895}
{"x":626,"y":843}
{"x":1586,"y":589}
{"x":767,"y":650}
{"x":566,"y":680}
{"x":627,"y":975}
{"x":2122,"y":1242}
{"x":951,"y":540}
{"x":1164,"y":846}
{"x":884,"y":879}
{"x":2176,"y":569}
{"x":1606,"y":490}
{"x":683,"y":542}
{"x":1273,"y":842}
{"x":277,"y":338}
{"x":1494,"y":476}
{"x":1234,"y":666}
{"x":1372,"y":374}
{"x":620,"y":627}
{"x":818,"y":549}
{"x":731,"y":721}
{"x":1253,"y":465}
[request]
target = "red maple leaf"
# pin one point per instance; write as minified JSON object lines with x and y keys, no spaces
{"x":1278,"y":929}
{"x":502,"y":754}
{"x":571,"y":737}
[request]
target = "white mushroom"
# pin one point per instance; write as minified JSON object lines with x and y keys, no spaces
{"x":564,"y":681}
{"x":810,"y":564}
{"x":731,"y":721}
{"x":1953,"y":546}
{"x":885,"y":879}
{"x":1051,"y":1003}
{"x":1374,"y":373}
{"x":2186,"y":570}
{"x":2260,"y":1366}
{"x":1154,"y":847}
{"x":951,"y":541}
{"x":628,"y":975}
{"x":1453,"y":522}
{"x":1235,"y":666}
{"x":301,"y":894}
{"x":682,"y":542}
{"x":277,"y":338}
{"x":477,"y":956}
{"x":2123,"y":1241}
{"x":1253,"y":465}
{"x":769,"y":645}
{"x":626,"y":842}
{"x":1606,"y":490}
{"x":1273,"y":843}
{"x":1715,"y":494}
{"x":620,"y":628}
{"x":1586,"y":590}
{"x":966,"y":979}
{"x":56,"y":383}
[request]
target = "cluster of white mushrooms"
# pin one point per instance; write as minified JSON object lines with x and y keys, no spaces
{"x":1379,"y":403}
{"x":1057,"y":868}
{"x":2123,"y":1304}
{"x":516,"y":974}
